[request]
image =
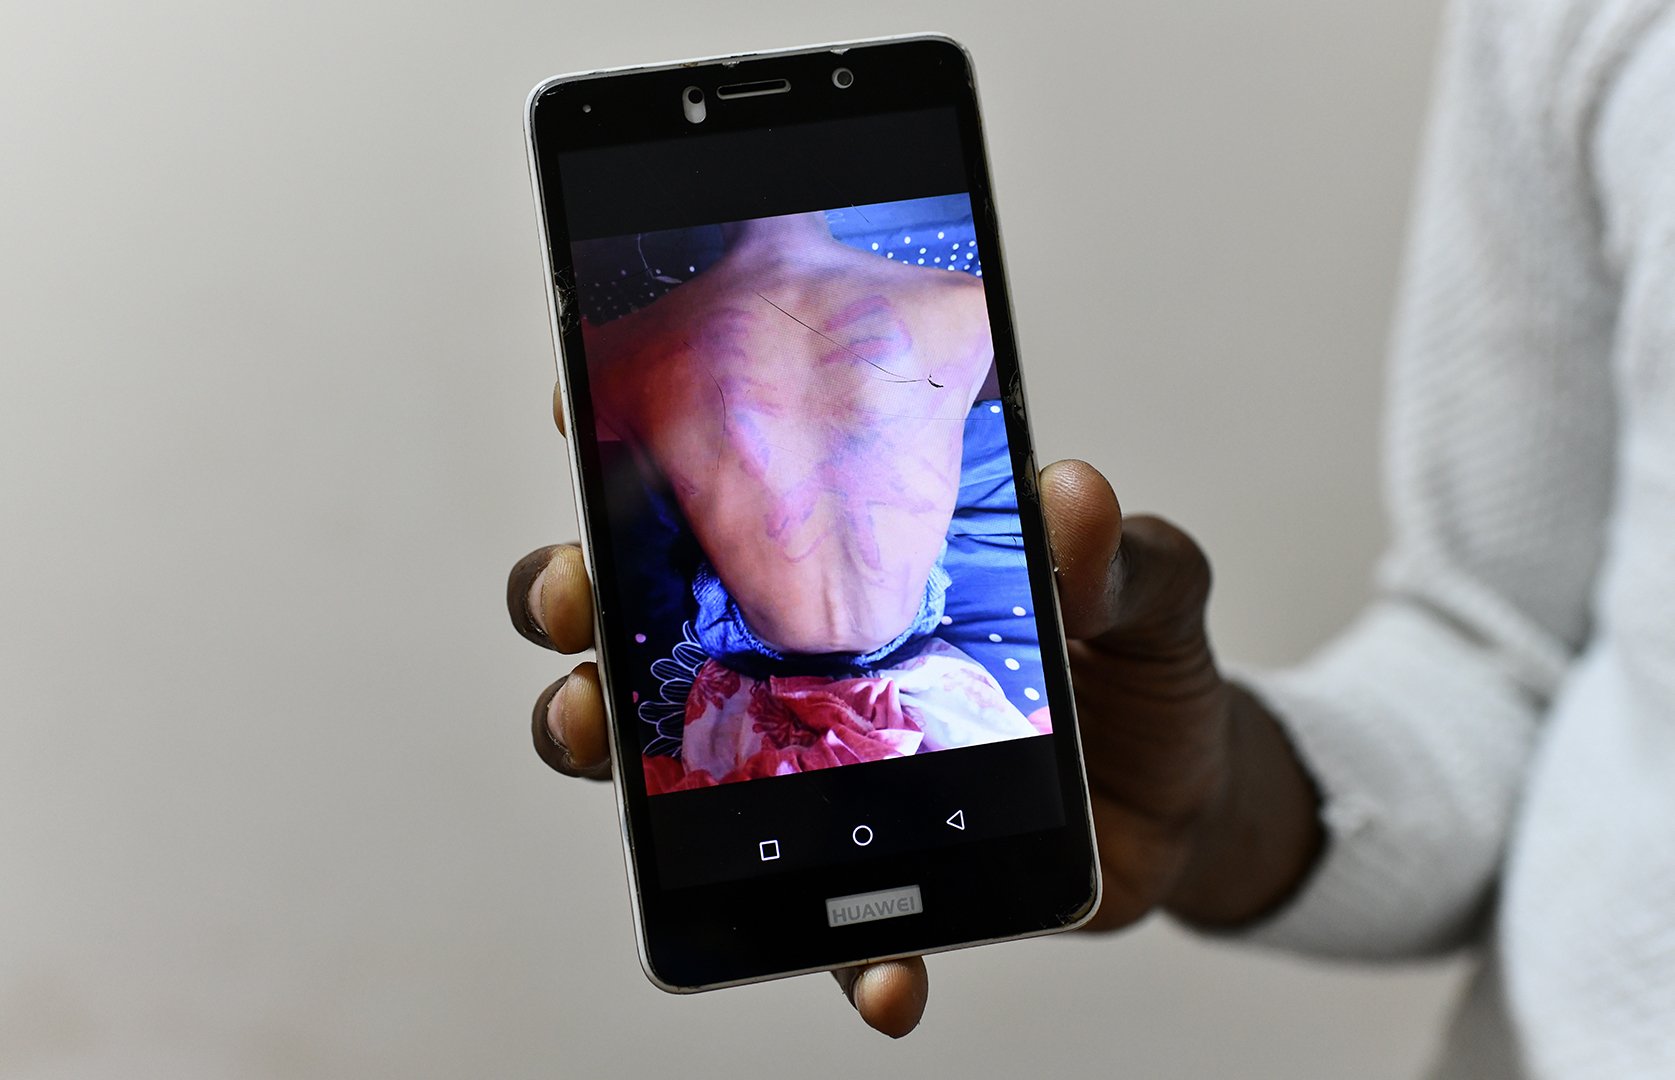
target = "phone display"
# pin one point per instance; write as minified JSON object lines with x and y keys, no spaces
{"x":826,"y":617}
{"x":803,"y":406}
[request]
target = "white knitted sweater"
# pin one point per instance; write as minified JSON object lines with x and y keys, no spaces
{"x":1495,"y":736}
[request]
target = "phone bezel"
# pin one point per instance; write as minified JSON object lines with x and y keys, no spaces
{"x":1061,"y":863}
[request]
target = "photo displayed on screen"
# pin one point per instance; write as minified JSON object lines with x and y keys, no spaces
{"x":818,"y":555}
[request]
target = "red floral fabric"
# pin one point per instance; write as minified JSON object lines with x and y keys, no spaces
{"x":739,"y":728}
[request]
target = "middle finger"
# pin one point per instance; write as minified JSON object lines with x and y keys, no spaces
{"x":550,"y":599}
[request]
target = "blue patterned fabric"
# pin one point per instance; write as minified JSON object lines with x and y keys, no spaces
{"x":722,"y":632}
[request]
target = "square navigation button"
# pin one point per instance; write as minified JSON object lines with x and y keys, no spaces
{"x":769,"y":849}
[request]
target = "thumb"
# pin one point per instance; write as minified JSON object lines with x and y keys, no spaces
{"x":1131,"y":579}
{"x":890,"y":996}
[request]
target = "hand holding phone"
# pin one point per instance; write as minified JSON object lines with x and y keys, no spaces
{"x":1133,"y":603}
{"x":819,"y":547}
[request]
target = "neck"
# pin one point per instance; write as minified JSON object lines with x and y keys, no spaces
{"x":791,"y":230}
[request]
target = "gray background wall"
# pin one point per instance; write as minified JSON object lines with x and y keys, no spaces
{"x":273,"y":425}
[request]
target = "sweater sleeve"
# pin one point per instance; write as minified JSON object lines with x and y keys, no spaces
{"x":1417,"y":723}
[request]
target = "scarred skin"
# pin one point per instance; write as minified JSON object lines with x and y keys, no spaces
{"x":805,"y":403}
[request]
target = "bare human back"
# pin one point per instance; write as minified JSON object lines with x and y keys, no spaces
{"x":805,"y":403}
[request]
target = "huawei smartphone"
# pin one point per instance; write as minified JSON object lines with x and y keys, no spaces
{"x":840,"y":711}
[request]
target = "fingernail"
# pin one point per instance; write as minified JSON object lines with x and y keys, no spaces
{"x":555,"y":718}
{"x":532,"y":603}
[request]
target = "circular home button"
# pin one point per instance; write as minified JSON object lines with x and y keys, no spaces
{"x":862,"y":835}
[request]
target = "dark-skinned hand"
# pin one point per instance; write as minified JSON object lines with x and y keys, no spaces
{"x":1200,"y":805}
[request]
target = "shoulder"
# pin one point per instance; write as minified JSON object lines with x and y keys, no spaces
{"x":1548,"y":62}
{"x":965,"y":295}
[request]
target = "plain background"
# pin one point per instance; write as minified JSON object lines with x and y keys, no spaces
{"x":273,"y":425}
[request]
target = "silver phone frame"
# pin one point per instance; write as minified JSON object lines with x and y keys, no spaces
{"x":555,"y":315}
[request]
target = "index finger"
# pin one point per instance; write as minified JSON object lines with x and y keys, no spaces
{"x":550,"y":599}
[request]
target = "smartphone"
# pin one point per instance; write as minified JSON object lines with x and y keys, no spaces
{"x":827,"y":627}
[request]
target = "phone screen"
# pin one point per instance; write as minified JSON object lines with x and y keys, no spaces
{"x":829,"y":631}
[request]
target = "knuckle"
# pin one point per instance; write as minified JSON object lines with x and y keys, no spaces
{"x":1179,"y":563}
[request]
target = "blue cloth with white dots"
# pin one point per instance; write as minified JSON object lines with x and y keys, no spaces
{"x":988,"y":611}
{"x":621,"y":274}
